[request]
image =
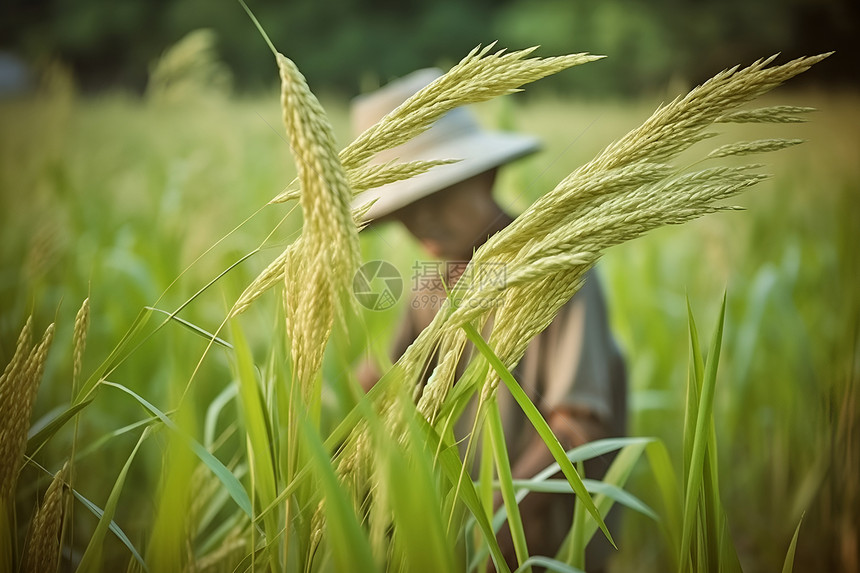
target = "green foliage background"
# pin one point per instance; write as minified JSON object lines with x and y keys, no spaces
{"x":348,"y":45}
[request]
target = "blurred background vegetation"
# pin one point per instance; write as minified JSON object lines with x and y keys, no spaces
{"x":117,"y":172}
{"x":349,"y":44}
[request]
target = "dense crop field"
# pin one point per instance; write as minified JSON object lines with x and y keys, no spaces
{"x":136,"y":203}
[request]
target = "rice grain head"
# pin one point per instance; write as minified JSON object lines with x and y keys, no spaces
{"x":44,"y":252}
{"x":43,"y":548}
{"x":749,"y":147}
{"x":317,"y":527}
{"x":14,"y":365}
{"x":478,"y":77}
{"x":372,"y":175}
{"x":82,"y":325}
{"x":18,"y":388}
{"x":369,"y":176}
{"x":627,"y":190}
{"x":438,"y":384}
{"x":321,"y":268}
{"x":226,"y":557}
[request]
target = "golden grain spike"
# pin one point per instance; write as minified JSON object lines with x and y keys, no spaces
{"x":478,"y":77}
{"x":320,"y":273}
{"x":18,"y":358}
{"x":771,"y":114}
{"x":271,"y":276}
{"x":439,"y":384}
{"x":82,"y":325}
{"x":18,"y":388}
{"x":629,"y":189}
{"x":371,"y":176}
{"x":750,"y":147}
{"x":43,"y":548}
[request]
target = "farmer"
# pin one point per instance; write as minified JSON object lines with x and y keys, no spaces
{"x":572,"y":371}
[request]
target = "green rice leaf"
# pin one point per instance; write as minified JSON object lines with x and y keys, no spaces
{"x":237,"y":492}
{"x":549,"y":563}
{"x":105,"y":438}
{"x":709,"y":516}
{"x":728,"y":555}
{"x":113,"y":527}
{"x":419,"y":530}
{"x":594,"y":449}
{"x":206,"y":335}
{"x":617,"y":475}
{"x":348,"y":542}
{"x":259,"y":440}
{"x":669,"y":488}
{"x":119,"y":353}
{"x":485,"y":485}
{"x":500,"y":451}
{"x":38,"y":439}
{"x":541,"y":482}
{"x":614,"y":492}
{"x":788,"y":566}
{"x":453,"y":468}
{"x":700,"y":441}
{"x":694,"y":388}
{"x":91,"y":559}
{"x":214,"y":410}
{"x":573,"y":550}
{"x":540,"y":425}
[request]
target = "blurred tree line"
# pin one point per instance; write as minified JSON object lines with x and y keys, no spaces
{"x":348,"y":45}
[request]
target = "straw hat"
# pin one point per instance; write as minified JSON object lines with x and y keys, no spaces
{"x":456,"y":135}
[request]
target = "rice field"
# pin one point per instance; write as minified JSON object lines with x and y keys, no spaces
{"x":140,"y":203}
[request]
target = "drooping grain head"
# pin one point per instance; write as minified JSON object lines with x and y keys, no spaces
{"x":480,"y":76}
{"x":18,"y":358}
{"x":627,"y":190}
{"x":320,"y":269}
